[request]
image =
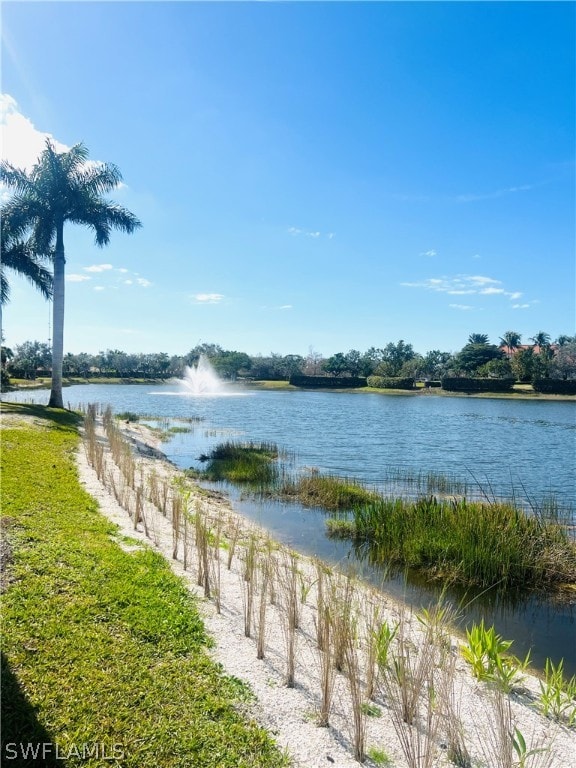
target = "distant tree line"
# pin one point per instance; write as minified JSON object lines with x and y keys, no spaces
{"x":539,"y":359}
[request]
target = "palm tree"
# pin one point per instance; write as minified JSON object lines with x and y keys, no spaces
{"x":61,"y":188}
{"x":541,"y":340}
{"x":18,"y":255}
{"x":478,"y":338}
{"x":511,"y":340}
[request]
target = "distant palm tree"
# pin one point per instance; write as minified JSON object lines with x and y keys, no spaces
{"x":541,"y":339}
{"x":60,"y":188}
{"x":511,"y":339}
{"x":478,"y":338}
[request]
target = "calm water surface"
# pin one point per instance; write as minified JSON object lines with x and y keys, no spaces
{"x":519,"y":448}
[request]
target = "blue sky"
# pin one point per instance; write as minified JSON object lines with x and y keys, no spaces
{"x":325,"y":175}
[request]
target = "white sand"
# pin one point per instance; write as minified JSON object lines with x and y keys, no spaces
{"x":290,"y":713}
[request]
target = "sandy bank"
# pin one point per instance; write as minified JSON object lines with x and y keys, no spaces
{"x":291,"y":714}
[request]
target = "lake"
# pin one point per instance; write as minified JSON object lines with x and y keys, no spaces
{"x":501,"y":447}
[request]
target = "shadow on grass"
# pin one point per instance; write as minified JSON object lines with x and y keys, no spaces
{"x":25,"y":742}
{"x":55,"y":417}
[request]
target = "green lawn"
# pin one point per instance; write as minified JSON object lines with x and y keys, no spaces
{"x":103,"y":650}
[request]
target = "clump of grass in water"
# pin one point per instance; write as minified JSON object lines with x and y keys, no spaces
{"x":328,"y":492}
{"x":249,"y":463}
{"x":471,"y":542}
{"x":424,"y":482}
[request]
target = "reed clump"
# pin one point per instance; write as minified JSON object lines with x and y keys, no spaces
{"x":474,"y":543}
{"x":328,"y":492}
{"x":408,"y":685}
{"x":246,"y":463}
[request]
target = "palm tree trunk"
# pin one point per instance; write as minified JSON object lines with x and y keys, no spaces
{"x":58,"y":321}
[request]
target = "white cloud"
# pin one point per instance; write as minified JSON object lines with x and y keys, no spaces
{"x":462,"y":285}
{"x":491,"y":291}
{"x":480,"y":280}
{"x":520,"y":306}
{"x":431,"y":252}
{"x":128,"y":282}
{"x":208,"y":298}
{"x":461,"y":306}
{"x":467,"y":197}
{"x":72,"y":278}
{"x":98,"y":268}
{"x":471,"y":198}
{"x":143,"y":282}
{"x":121,"y":269}
{"x":99,"y":288}
{"x":22,"y":143}
{"x":285,"y":306}
{"x":315,"y":234}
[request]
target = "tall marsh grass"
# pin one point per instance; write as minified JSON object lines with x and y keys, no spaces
{"x":328,"y":492}
{"x":473,"y":543}
{"x":246,"y":463}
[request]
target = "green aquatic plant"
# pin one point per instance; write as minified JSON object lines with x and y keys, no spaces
{"x":469,"y":542}
{"x":328,"y":492}
{"x":246,"y":463}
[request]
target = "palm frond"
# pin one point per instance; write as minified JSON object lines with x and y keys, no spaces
{"x":102,"y":217}
{"x":19,"y":257}
{"x":15,"y":178}
{"x":4,"y":287}
{"x":98,"y":178}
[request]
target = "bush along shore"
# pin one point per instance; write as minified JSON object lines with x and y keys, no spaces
{"x":110,"y":645}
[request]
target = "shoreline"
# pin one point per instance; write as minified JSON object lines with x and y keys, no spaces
{"x":284,"y":386}
{"x":290,"y":713}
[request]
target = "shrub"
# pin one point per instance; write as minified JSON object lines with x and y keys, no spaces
{"x":390,"y":382}
{"x":328,"y":382}
{"x":468,"y":384}
{"x":555,"y":386}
